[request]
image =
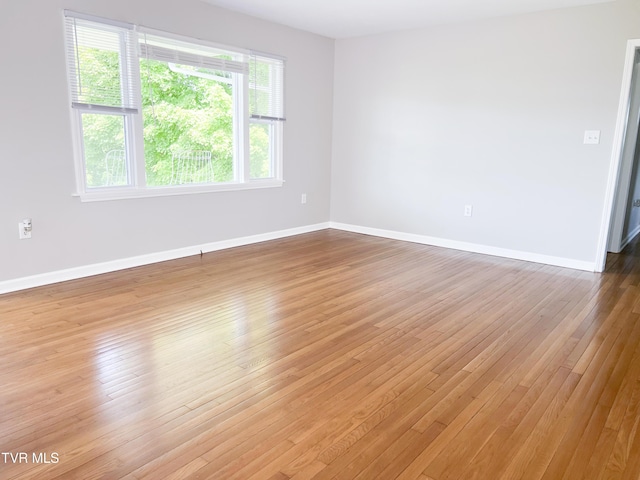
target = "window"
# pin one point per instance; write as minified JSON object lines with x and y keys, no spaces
{"x":157,"y":114}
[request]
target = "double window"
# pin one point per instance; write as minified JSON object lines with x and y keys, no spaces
{"x":158,"y":114}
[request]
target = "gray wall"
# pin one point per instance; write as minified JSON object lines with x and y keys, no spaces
{"x":487,"y":113}
{"x":37,"y":172}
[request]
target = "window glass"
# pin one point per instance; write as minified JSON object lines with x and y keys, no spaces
{"x":104,"y":150}
{"x":188,"y":124}
{"x":97,"y":66}
{"x":260,"y":144}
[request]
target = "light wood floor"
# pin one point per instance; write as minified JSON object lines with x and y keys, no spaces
{"x":326,"y":355}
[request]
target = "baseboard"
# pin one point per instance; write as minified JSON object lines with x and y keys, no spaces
{"x":112,"y":266}
{"x":627,"y":240}
{"x":468,"y":247}
{"x":121,"y":264}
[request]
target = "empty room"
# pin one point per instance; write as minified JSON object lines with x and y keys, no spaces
{"x":298,"y":240}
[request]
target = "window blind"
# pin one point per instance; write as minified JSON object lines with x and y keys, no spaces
{"x":266,"y":87}
{"x":175,"y":51}
{"x":113,"y":84}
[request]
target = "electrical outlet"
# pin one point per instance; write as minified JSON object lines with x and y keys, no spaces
{"x":468,"y":210}
{"x":636,"y":203}
{"x":592,"y":137}
{"x":303,"y":198}
{"x":24,"y":229}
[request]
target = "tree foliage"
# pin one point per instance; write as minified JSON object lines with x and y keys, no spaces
{"x":185,"y":113}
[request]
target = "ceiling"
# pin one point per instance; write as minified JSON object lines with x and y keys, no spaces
{"x":352,"y":18}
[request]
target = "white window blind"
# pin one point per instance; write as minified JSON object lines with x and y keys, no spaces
{"x":170,"y":50}
{"x":266,"y":87}
{"x":113,"y":86}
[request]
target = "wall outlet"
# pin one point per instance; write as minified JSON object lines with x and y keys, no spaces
{"x":636,"y":202}
{"x":592,"y":137}
{"x":24,"y":229}
{"x":303,"y":198}
{"x":468,"y":210}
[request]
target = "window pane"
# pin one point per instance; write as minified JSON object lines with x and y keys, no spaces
{"x":99,"y":66}
{"x":260,"y":159}
{"x":104,"y":150}
{"x":266,"y":87}
{"x":188,"y":124}
{"x":100,"y":60}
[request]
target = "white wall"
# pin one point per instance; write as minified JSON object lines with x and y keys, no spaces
{"x":487,"y":113}
{"x":36,"y":164}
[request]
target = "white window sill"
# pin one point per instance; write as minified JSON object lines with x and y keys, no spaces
{"x":122,"y":193}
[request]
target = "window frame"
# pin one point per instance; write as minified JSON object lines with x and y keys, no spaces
{"x":134,"y":133}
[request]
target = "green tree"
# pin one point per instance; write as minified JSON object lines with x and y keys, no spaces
{"x":259,"y":158}
{"x":185,"y":113}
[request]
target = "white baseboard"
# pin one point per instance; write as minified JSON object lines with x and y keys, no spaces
{"x":468,"y":247}
{"x":627,"y":240}
{"x":106,"y":267}
{"x":121,"y":264}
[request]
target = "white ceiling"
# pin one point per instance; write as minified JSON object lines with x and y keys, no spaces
{"x":352,"y":18}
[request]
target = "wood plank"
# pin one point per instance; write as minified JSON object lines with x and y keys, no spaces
{"x":327,"y":355}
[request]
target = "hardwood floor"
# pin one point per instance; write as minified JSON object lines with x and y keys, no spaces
{"x":326,"y":355}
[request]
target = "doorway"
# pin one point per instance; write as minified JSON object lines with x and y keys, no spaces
{"x":621,"y":219}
